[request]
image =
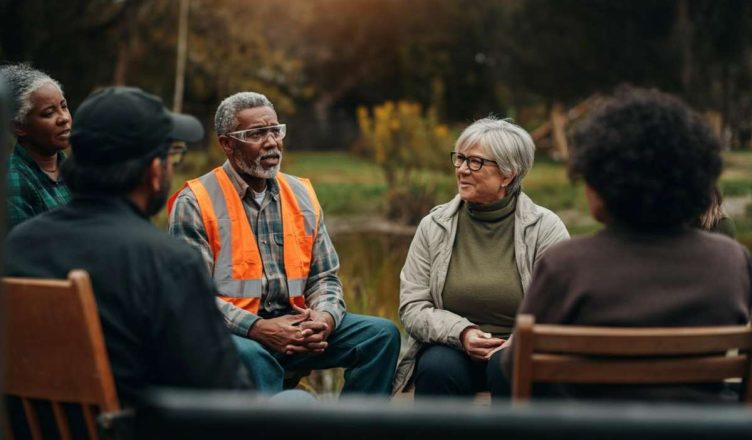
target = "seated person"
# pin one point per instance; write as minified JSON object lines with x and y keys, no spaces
{"x":160,"y":323}
{"x":42,"y":126}
{"x":470,"y":263}
{"x":649,"y":164}
{"x":262,"y":237}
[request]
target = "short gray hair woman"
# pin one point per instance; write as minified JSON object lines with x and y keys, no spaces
{"x":42,"y":126}
{"x":470,"y":263}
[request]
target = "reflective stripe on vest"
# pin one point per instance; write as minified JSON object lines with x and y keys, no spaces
{"x":238,"y":267}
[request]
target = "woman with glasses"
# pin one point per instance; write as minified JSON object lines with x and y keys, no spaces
{"x":470,"y":263}
{"x":42,"y":126}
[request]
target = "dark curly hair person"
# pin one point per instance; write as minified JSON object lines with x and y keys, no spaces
{"x":651,"y":160}
{"x":650,"y":165}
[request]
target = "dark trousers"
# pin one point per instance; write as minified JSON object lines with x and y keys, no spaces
{"x":445,"y":371}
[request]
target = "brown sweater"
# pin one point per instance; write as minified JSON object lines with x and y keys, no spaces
{"x":622,"y":278}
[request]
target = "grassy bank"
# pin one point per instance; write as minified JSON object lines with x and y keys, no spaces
{"x":349,"y":186}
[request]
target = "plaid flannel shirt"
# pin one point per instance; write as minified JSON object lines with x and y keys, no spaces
{"x":323,"y":291}
{"x":30,"y":190}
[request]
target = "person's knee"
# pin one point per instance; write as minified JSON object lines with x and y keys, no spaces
{"x":430,"y":365}
{"x":246,"y":345}
{"x":388,"y":333}
{"x":253,"y":353}
{"x":385,"y":331}
{"x":439,"y":363}
{"x":442,"y":370}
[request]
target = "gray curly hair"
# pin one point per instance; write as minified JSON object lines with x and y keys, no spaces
{"x":23,"y":80}
{"x":509,"y":144}
{"x":225,"y":120}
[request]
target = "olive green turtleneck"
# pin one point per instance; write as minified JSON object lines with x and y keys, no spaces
{"x":483,"y":283}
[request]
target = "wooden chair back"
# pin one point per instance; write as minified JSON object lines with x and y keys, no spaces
{"x":55,"y":349}
{"x":611,"y":355}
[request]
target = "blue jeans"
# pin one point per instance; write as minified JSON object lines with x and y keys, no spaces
{"x":366,"y":346}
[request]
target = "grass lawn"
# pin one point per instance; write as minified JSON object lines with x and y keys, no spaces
{"x":350,"y":186}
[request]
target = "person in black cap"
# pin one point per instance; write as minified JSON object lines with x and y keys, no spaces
{"x":154,"y":297}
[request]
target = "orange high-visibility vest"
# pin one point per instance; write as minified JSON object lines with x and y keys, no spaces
{"x":238,"y":267}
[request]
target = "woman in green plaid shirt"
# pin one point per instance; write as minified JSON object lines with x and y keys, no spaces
{"x":42,"y":125}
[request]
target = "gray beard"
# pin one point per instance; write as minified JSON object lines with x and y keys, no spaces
{"x":255,"y":169}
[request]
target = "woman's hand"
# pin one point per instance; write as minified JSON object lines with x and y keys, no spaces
{"x":478,"y":344}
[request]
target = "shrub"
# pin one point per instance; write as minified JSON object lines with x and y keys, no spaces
{"x":402,"y":139}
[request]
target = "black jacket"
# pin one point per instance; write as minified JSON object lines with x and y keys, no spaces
{"x":155,"y":299}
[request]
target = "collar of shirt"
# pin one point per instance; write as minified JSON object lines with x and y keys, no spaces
{"x":23,"y":154}
{"x":116,"y":205}
{"x":242,"y":187}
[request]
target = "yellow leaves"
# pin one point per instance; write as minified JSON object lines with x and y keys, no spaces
{"x":401,"y":137}
{"x":441,"y":131}
{"x":405,"y":141}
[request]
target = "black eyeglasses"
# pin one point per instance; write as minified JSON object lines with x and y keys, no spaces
{"x":474,"y":163}
{"x":176,"y":153}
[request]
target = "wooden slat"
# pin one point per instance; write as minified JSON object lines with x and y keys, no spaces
{"x":61,"y":420}
{"x":640,"y":341}
{"x":608,"y":355}
{"x":31,"y":419}
{"x":91,"y":425}
{"x":107,"y":395}
{"x":556,"y":368}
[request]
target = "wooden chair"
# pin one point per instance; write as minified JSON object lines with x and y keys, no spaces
{"x":55,"y":350}
{"x":610,"y":355}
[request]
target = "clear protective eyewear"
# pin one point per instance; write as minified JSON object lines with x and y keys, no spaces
{"x":258,"y":134}
{"x":474,"y":163}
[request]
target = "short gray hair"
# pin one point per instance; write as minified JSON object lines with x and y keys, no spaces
{"x":23,"y":80}
{"x":226,"y":118}
{"x":509,"y":145}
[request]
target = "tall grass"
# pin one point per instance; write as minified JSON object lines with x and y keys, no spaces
{"x":350,"y":186}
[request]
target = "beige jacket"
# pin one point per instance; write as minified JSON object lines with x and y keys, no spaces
{"x":422,"y":278}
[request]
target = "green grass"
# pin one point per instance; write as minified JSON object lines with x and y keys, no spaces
{"x":348,"y":185}
{"x":345,"y":184}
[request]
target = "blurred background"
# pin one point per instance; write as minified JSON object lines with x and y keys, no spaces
{"x":375,"y":92}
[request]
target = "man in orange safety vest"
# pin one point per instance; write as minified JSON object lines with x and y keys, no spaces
{"x":262,"y":235}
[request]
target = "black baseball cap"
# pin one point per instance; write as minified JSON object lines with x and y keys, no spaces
{"x":116,"y":124}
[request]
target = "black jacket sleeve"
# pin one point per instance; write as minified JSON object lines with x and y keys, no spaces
{"x":193,"y":346}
